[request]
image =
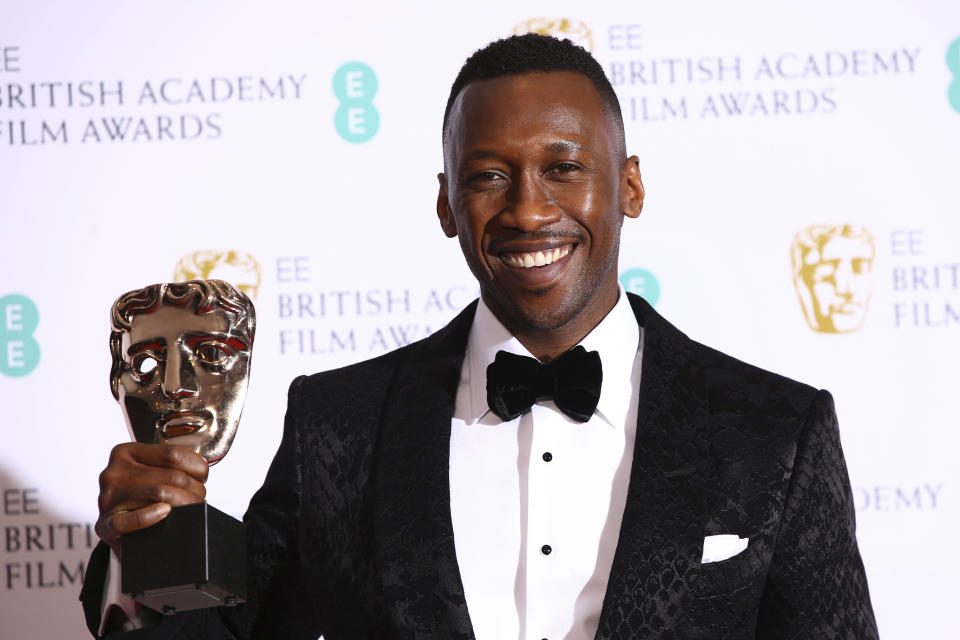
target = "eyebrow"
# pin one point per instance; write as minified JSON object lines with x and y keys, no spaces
{"x":233,"y":343}
{"x":481,"y":154}
{"x":559,"y":146}
{"x":156,"y":345}
{"x":564,"y":145}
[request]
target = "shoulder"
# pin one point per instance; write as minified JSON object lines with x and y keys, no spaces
{"x":733,"y":382}
{"x":729,"y":384}
{"x":369,"y":382}
{"x":358,"y":379}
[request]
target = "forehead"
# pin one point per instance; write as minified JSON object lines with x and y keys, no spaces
{"x":840,"y":247}
{"x":170,"y":321}
{"x":564,"y":103}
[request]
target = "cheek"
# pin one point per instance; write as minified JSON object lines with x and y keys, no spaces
{"x":824,"y":294}
{"x":470,"y":233}
{"x":140,"y":416}
{"x":130,"y":386}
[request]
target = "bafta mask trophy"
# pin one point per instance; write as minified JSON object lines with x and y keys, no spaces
{"x":181,"y":363}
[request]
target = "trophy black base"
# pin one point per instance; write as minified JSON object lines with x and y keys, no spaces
{"x":193,"y":559}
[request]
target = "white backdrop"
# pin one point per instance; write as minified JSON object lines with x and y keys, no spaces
{"x":134,"y":136}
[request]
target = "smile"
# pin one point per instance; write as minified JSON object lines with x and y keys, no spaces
{"x":181,"y":423}
{"x":536,"y":258}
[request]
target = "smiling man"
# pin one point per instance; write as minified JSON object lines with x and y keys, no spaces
{"x":557,"y":462}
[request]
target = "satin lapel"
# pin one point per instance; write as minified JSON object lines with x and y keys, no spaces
{"x":413,"y":526}
{"x":661,"y":530}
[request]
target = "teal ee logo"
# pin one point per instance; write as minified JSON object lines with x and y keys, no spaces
{"x":19,"y":351}
{"x":643,"y":283}
{"x":953,"y":63}
{"x":355,"y":85}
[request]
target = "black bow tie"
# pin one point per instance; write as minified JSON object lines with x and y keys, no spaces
{"x":573,"y":380}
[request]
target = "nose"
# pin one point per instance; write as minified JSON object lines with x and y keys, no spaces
{"x":179,"y":377}
{"x":843,"y":278}
{"x":529,"y":206}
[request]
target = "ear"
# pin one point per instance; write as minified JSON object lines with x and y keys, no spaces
{"x":631,"y":188}
{"x":444,"y":212}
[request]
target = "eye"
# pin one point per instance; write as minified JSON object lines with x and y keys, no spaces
{"x":144,"y":364}
{"x":212,"y":352}
{"x":485,"y":179}
{"x":565,"y":167}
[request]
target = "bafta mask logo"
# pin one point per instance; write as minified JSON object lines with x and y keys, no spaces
{"x":576,"y":31}
{"x":181,"y":363}
{"x":833,"y":275}
{"x":236,"y":267}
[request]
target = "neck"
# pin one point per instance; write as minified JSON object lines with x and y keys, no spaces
{"x":547,"y":344}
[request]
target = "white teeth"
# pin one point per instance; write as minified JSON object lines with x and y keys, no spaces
{"x":538,"y":259}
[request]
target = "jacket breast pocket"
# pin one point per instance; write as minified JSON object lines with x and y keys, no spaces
{"x":747,"y":568}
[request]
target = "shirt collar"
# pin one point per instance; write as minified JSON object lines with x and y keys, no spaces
{"x":616,"y":339}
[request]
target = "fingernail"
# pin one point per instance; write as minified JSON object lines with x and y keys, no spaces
{"x":162,"y":510}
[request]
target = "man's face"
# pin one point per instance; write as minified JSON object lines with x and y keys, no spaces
{"x":840,"y":283}
{"x":535,"y":186}
{"x":185,"y":379}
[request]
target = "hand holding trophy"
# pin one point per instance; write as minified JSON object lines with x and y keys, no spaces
{"x":181,"y":364}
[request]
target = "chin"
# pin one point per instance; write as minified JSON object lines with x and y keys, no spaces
{"x":547,"y":319}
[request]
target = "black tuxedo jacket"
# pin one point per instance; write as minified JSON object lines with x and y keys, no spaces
{"x":351,"y":535}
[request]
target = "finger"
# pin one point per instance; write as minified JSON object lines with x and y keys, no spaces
{"x":132,"y":487}
{"x":131,"y":498}
{"x":171,"y":456}
{"x":111,"y":527}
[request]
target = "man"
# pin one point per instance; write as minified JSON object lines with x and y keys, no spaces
{"x":420,"y":495}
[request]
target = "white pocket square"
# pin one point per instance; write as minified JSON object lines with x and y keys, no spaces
{"x":722,"y":547}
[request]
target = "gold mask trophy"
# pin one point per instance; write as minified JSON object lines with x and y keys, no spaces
{"x":181,"y":364}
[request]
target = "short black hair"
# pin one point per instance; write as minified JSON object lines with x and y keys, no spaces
{"x":533,"y":52}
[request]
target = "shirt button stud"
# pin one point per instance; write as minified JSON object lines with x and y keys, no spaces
{"x":547,"y":456}
{"x":546,"y":549}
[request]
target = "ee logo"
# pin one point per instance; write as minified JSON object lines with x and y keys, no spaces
{"x":19,"y":350}
{"x":643,"y":283}
{"x":355,"y":85}
{"x":953,"y":63}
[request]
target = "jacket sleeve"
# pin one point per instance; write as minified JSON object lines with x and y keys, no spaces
{"x":816,"y":586}
{"x":276,"y":607}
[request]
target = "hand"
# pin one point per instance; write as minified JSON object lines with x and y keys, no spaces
{"x":142,"y":482}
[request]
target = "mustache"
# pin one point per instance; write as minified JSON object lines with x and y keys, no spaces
{"x":546,"y":233}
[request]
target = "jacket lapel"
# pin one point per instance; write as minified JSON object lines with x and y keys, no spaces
{"x":661,"y":533}
{"x":413,"y":526}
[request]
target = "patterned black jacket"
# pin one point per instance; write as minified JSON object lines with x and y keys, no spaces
{"x":351,"y":535}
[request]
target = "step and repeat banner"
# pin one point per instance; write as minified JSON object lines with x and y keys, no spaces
{"x":802,"y":166}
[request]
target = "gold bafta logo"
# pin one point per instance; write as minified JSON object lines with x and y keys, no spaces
{"x":236,"y":267}
{"x":576,"y":31}
{"x":833,"y":275}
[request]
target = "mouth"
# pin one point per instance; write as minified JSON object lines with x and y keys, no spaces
{"x":539,"y":258}
{"x":182,"y":423}
{"x":847,"y":309}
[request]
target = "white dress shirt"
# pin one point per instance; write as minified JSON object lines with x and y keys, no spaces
{"x":537,"y":502}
